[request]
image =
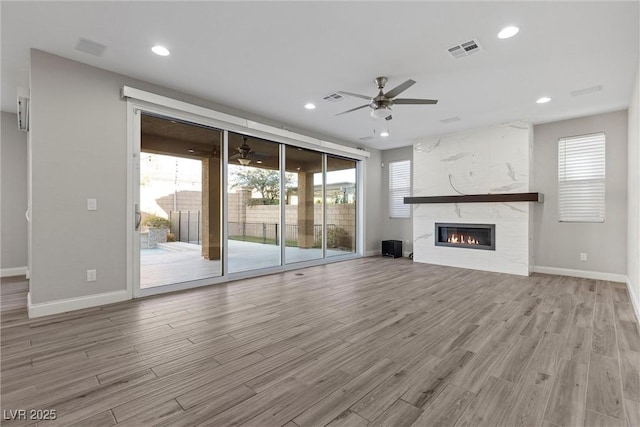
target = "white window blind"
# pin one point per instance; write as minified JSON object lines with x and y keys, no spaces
{"x":581,"y":178}
{"x":399,"y":188}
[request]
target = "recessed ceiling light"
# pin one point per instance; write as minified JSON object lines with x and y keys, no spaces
{"x":259,"y":162}
{"x":543,"y":100}
{"x":160,"y":50}
{"x":384,"y":133}
{"x":508,"y":32}
{"x":310,"y":106}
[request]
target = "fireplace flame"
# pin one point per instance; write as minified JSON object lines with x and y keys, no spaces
{"x":461,"y":238}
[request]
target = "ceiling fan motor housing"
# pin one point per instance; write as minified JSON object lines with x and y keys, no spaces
{"x":244,"y":149}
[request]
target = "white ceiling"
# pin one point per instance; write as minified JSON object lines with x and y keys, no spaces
{"x":270,"y":58}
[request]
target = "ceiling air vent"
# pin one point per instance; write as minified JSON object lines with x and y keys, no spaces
{"x":366,"y":138}
{"x":90,"y":47}
{"x":450,"y":120}
{"x":464,"y":49}
{"x":586,"y":91}
{"x":333,"y":97}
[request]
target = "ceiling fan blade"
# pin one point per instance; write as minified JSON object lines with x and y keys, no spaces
{"x":400,"y":88}
{"x":204,"y":153}
{"x":414,"y":101}
{"x":235,"y":156}
{"x":355,"y":95}
{"x":353,"y":109}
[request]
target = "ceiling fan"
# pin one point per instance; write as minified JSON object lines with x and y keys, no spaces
{"x":381,"y":104}
{"x":244,"y":153}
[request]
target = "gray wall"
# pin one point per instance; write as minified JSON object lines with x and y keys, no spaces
{"x":633,"y":247}
{"x":373,"y":203}
{"x":559,"y":244}
{"x":13,"y":154}
{"x":395,"y":228}
{"x":79,"y":145}
{"x":79,"y":151}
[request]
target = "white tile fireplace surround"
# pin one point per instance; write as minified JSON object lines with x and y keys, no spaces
{"x":490,"y":160}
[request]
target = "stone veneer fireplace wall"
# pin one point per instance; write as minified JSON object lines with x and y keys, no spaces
{"x":490,"y":160}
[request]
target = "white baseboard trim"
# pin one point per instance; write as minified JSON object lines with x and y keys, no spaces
{"x":378,"y":252}
{"x":634,"y":299}
{"x":70,"y":304}
{"x":16,"y":271}
{"x":586,"y":274}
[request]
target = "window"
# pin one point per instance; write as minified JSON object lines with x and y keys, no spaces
{"x":399,"y":188}
{"x":581,"y":178}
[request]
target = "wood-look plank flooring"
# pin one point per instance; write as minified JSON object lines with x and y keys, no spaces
{"x":13,"y":293}
{"x":368,"y":342}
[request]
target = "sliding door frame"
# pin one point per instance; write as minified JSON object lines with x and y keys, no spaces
{"x":139,"y":101}
{"x":282,"y":235}
{"x":135,"y":110}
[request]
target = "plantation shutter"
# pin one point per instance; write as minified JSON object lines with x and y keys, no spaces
{"x":581,"y":178}
{"x":399,"y":188}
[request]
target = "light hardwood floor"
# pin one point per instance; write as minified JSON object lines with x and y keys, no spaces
{"x":375,"y":341}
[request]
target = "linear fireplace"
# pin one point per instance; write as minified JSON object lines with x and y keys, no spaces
{"x":471,"y":236}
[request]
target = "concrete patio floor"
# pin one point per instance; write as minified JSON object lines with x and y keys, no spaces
{"x":177,"y":262}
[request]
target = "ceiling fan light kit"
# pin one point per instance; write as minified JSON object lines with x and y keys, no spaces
{"x":246,"y":154}
{"x":380,"y":113}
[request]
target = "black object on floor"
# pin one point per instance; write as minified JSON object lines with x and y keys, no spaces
{"x":392,"y":248}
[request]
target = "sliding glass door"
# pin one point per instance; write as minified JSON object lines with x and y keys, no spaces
{"x":253,"y":196}
{"x":179,"y":202}
{"x":261,"y":220}
{"x":210,"y":204}
{"x":341,"y":199}
{"x":303,"y":205}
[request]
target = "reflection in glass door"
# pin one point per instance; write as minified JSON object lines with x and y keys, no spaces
{"x":179,"y":209}
{"x":253,"y":221}
{"x":341,"y":199}
{"x":303,"y":205}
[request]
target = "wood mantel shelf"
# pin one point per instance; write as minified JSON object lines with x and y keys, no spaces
{"x":477,"y":198}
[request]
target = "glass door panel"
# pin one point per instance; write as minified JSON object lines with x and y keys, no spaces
{"x":303,"y":205}
{"x":341,"y":199}
{"x":253,"y":203}
{"x":179,"y":201}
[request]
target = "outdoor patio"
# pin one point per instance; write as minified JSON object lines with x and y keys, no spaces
{"x":177,"y":262}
